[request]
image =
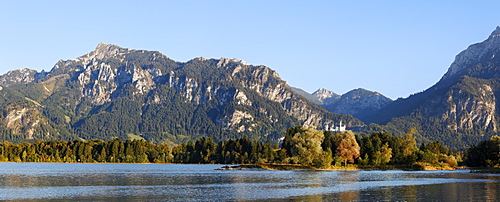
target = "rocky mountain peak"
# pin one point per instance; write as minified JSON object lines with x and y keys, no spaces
{"x":107,"y":50}
{"x":360,"y":92}
{"x":107,"y":47}
{"x":495,"y":33}
{"x":20,"y":76}
{"x":237,"y":60}
{"x":323,"y":94}
{"x":101,"y":52}
{"x":225,"y":61}
{"x":474,"y":54}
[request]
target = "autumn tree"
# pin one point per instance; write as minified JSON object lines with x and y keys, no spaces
{"x":383,"y":155}
{"x":347,"y":146}
{"x":409,"y":146}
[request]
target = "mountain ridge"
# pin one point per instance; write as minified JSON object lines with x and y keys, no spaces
{"x":116,"y":92}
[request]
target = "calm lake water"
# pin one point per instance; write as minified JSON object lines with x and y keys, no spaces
{"x":158,"y":182}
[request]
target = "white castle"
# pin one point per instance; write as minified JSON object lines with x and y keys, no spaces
{"x":336,"y":128}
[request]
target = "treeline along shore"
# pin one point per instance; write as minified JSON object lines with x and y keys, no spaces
{"x":301,"y":146}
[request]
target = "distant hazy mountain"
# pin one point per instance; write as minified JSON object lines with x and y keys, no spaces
{"x":358,"y":102}
{"x":319,"y":97}
{"x":461,"y":108}
{"x":118,"y":92}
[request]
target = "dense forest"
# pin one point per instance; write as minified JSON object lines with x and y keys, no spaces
{"x":304,"y":146}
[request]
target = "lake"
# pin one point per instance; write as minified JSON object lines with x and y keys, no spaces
{"x":171,"y":182}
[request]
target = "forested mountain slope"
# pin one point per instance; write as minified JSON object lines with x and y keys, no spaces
{"x":118,"y":92}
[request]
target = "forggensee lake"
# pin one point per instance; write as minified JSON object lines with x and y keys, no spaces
{"x":174,"y":182}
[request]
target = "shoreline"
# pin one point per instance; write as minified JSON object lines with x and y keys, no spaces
{"x":485,"y":170}
{"x":296,"y":167}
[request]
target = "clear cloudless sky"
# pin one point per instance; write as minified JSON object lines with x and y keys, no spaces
{"x":394,"y":47}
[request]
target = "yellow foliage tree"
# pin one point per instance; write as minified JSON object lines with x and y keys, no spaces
{"x":307,"y":148}
{"x":383,"y":155}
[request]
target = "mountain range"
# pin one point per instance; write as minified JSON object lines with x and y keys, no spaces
{"x":114,"y":92}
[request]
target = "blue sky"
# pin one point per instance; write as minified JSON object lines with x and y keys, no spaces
{"x":394,"y":47}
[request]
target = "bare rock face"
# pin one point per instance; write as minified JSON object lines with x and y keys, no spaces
{"x":471,"y":110}
{"x":233,"y":121}
{"x":101,"y":72}
{"x":27,"y":119}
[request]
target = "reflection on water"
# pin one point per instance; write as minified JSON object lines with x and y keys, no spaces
{"x":123,"y":182}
